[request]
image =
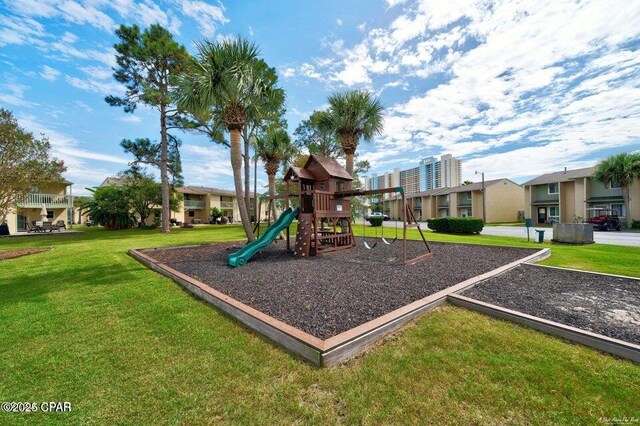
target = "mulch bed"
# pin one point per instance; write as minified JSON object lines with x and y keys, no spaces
{"x":12,"y":254}
{"x":597,"y":303}
{"x":329,"y":294}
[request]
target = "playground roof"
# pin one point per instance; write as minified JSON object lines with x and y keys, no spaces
{"x":329,"y":165}
{"x":299,"y":172}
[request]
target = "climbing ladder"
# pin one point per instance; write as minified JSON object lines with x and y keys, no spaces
{"x":303,"y":235}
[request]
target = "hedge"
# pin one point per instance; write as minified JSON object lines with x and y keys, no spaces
{"x":375,"y":221}
{"x":456,"y":225}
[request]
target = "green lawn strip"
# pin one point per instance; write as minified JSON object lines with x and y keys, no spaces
{"x":86,"y":323}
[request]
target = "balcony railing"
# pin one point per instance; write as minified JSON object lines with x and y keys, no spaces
{"x":226,"y":204}
{"x":54,"y":201}
{"x":193,"y":204}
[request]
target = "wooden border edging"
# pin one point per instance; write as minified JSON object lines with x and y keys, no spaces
{"x":277,"y":331}
{"x":597,"y":341}
{"x":335,"y":349}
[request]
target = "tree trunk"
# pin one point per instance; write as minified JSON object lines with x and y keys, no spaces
{"x":164,"y":170}
{"x":627,"y":207}
{"x":349,"y":165}
{"x":272,"y":193}
{"x":247,"y":175}
{"x":236,"y":165}
{"x":255,"y":187}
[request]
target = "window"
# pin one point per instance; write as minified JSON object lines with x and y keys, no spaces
{"x":322,"y":185}
{"x":49,"y":214}
{"x":554,"y":211}
{"x":192,"y":213}
{"x":446,"y":198}
{"x":552,"y":188}
{"x":614,"y":184}
{"x":469,"y":196}
{"x":619,"y":209}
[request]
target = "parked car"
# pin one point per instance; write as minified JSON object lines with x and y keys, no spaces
{"x":376,"y":214}
{"x":604,"y":219}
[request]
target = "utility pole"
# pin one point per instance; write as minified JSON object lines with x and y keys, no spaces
{"x":484,"y":201}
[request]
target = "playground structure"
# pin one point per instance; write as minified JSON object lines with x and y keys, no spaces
{"x":323,"y":189}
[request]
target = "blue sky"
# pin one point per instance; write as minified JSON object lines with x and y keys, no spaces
{"x":513,"y":89}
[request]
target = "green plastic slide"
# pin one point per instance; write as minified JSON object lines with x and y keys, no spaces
{"x":242,"y":256}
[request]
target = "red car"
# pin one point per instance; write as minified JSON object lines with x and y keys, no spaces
{"x":604,"y":219}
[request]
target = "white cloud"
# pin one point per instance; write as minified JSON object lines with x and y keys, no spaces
{"x":19,"y":30}
{"x":67,"y":148}
{"x":206,"y":164}
{"x":539,"y":85}
{"x":251,"y":33}
{"x":12,"y":93}
{"x":207,"y":16}
{"x":99,"y":73}
{"x":288,"y":72}
{"x":129,"y":118}
{"x":339,"y":22}
{"x":96,"y":86}
{"x":362,"y":27}
{"x":49,"y":73}
{"x":393,"y":3}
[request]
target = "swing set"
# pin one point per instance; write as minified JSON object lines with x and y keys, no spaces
{"x":408,"y":221}
{"x":323,"y":190}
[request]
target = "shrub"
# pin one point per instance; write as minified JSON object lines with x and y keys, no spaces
{"x":636,"y":224}
{"x":375,"y":221}
{"x":110,"y":207}
{"x":215,"y":214}
{"x":224,"y":220}
{"x":465,"y":225}
{"x":456,"y":225}
{"x":438,"y":224}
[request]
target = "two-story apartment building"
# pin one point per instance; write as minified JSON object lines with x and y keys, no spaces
{"x":568,"y":194}
{"x":56,"y":198}
{"x":198,"y":201}
{"x":503,"y":201}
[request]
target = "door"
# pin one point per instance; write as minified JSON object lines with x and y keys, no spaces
{"x":22,"y":223}
{"x":542,"y":215}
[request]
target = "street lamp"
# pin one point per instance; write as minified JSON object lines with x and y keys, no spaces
{"x":484,"y":203}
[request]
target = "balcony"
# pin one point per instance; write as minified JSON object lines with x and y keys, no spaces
{"x":226,"y":204}
{"x":51,"y":201}
{"x":193,"y":204}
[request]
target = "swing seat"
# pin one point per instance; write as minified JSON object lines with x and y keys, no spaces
{"x":368,"y":247}
{"x":389,"y":242}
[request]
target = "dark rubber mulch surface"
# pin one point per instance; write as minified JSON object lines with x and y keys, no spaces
{"x":332,"y":293}
{"x":597,"y":303}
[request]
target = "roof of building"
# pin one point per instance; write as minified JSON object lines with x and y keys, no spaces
{"x":112,"y":180}
{"x":563,"y":176}
{"x":189,"y":189}
{"x":475,"y":186}
{"x":203,"y":190}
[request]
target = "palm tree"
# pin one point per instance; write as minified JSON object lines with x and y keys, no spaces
{"x":353,"y":115}
{"x":622,"y":169}
{"x":274,"y":148}
{"x":224,"y":82}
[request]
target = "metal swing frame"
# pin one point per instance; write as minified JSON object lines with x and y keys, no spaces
{"x":408,"y":221}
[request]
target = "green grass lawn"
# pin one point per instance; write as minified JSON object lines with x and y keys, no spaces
{"x":86,"y":323}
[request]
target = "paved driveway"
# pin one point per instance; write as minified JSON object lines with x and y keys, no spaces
{"x":602,"y":237}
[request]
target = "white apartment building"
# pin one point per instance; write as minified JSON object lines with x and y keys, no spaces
{"x":430,"y":173}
